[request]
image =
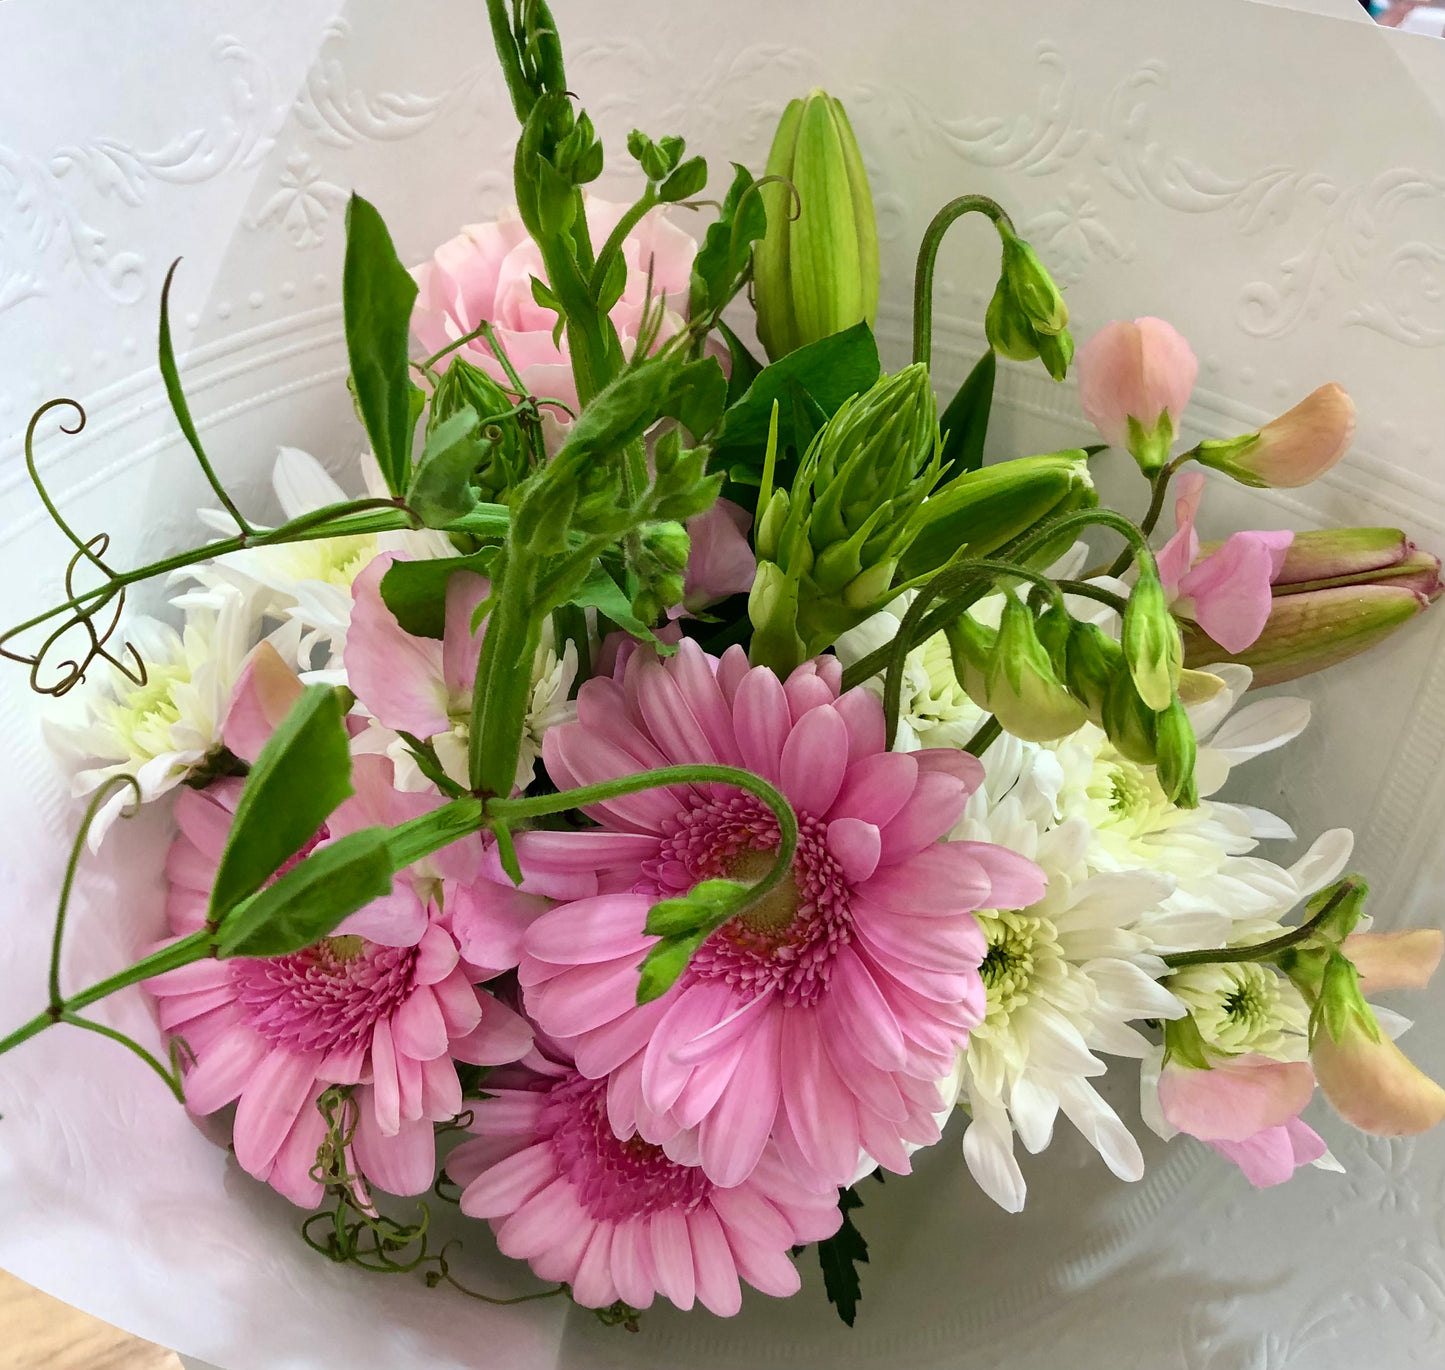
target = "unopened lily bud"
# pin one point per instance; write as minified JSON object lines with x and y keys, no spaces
{"x":1134,"y":381}
{"x":816,"y":270}
{"x":770,"y":525}
{"x":1175,"y":748}
{"x":1023,"y":691}
{"x":1151,"y":641}
{"x":1291,"y":450}
{"x":1356,"y":556}
{"x":1367,"y":1078}
{"x":773,"y":611}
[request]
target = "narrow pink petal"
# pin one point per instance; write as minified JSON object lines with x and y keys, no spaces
{"x":722,"y":1034}
{"x":1178,"y":554}
{"x":732,"y":667}
{"x":936,"y":805}
{"x":196,"y":978}
{"x":395,"y":920}
{"x":542,"y":1222}
{"x":861,"y":1011}
{"x":856,"y":846}
{"x":880,"y":1139}
{"x":713,"y":1264}
{"x":387,"y":1086}
{"x":296,"y":1158}
{"x":343,"y":1065}
{"x":944,"y":879}
{"x":862,"y":711}
{"x":417,"y":1027}
{"x":745,"y":1213}
{"x":669,"y":721}
{"x":602,"y":1050}
{"x":767,"y":1269}
{"x":762,"y":721}
{"x":501,"y":1036}
{"x":441,"y":1090}
{"x":506,"y":1113}
{"x":945,"y":988}
{"x":604,"y":928}
{"x":966,"y":769}
{"x":408,"y":1081}
{"x":584,"y":998}
{"x":509,"y":1184}
{"x":697,"y":1008}
{"x":805,"y":691}
{"x":814,"y":759}
{"x":1015,"y":882}
{"x":734,"y":1133}
{"x":820,"y":1107}
{"x":490,"y":922}
{"x":876,"y":787}
{"x":457,"y":998}
{"x":569,"y":852}
{"x":704,"y":1087}
{"x":705,"y":698}
{"x":592,"y":759}
{"x":404,"y":1163}
{"x":632,"y":1262}
{"x":560,"y":1263}
{"x":205,"y":817}
{"x":672,"y":1257}
{"x":436,"y":956}
{"x":872,"y":1087}
{"x":279,"y":1088}
{"x":222,"y":1072}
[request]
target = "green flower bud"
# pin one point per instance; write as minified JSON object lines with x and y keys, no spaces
{"x":1151,"y":641}
{"x":1025,"y":693}
{"x":1033,"y":289}
{"x":668,"y":543}
{"x":770,"y":526}
{"x":816,"y":270}
{"x":1027,"y":317}
{"x":1175,"y":750}
{"x":773,"y":612}
{"x":1095,"y":662}
{"x":1130,"y":723}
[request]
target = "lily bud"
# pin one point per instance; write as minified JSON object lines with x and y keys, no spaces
{"x":1151,"y":642}
{"x":1310,"y":629}
{"x":1367,"y":1078}
{"x":817,"y":273}
{"x":1134,"y":381}
{"x":1356,"y":556}
{"x":1291,"y":450}
{"x":773,"y":611}
{"x":1395,"y":960}
{"x":981,"y":510}
{"x":1176,"y":748}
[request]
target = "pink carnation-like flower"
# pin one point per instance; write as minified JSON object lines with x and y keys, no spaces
{"x":486,"y":273}
{"x":1227,"y":593}
{"x":1247,"y":1109}
{"x":619,"y":1219}
{"x":383,"y":1004}
{"x":821,"y":1018}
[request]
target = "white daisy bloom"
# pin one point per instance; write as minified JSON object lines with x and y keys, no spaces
{"x":162,"y":729}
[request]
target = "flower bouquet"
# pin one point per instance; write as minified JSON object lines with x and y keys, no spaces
{"x":684,"y":781}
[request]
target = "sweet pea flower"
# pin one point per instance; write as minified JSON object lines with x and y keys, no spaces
{"x":1247,"y":1109}
{"x":1227,"y":592}
{"x":719,"y":560}
{"x":1395,"y":960}
{"x":486,"y":273}
{"x":1134,"y":381}
{"x":1291,"y":450}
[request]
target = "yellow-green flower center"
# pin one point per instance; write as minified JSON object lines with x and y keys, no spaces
{"x":1241,"y":1008}
{"x":142,"y":715}
{"x":1019,"y":946}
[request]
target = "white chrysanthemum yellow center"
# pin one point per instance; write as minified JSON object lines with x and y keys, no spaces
{"x":333,"y":561}
{"x":142,"y":716}
{"x":1023,"y":960}
{"x":1244,"y":1007}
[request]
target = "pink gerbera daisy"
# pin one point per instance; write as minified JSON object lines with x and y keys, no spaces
{"x":384,"y":1005}
{"x":618,"y":1219}
{"x":821,"y":1018}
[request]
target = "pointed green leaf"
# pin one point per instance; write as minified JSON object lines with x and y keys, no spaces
{"x":965,"y":421}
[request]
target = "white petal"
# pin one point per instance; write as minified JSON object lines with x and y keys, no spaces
{"x":1262,"y":823}
{"x":302,"y":483}
{"x":1033,"y":1108}
{"x":1328,"y":1162}
{"x":1130,"y":993}
{"x":1115,"y":899}
{"x":1261,"y":727}
{"x":989,"y":1152}
{"x":1102,"y":1128}
{"x":1055,"y":1044}
{"x":1324,"y":861}
{"x":1391,"y":1023}
{"x":1149,"y":1109}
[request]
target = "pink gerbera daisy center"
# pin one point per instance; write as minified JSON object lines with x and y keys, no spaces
{"x":614,"y":1180}
{"x":330,"y":995}
{"x":787,"y":940}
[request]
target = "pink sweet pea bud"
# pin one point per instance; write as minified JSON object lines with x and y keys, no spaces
{"x":1292,"y":449}
{"x":1134,"y":381}
{"x":263,"y":695}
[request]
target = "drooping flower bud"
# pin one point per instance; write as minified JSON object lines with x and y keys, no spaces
{"x":1339,"y":592}
{"x":1175,"y":748}
{"x":1131,"y":725}
{"x":1094,"y":662}
{"x":1027,"y":316}
{"x":1151,"y":641}
{"x":1022,"y":689}
{"x":1134,"y":381}
{"x":816,"y":270}
{"x":1291,"y":450}
{"x":1367,"y":1078}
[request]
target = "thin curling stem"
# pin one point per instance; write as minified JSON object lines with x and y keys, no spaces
{"x":1160,"y":482}
{"x":928,"y":257}
{"x":1261,"y":951}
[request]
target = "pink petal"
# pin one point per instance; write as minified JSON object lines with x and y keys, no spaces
{"x":672,"y":1257}
{"x":584,"y":998}
{"x":734,"y":1133}
{"x":222,"y":1072}
{"x":966,"y":769}
{"x":876,"y":787}
{"x":604,"y":1049}
{"x":950,"y":946}
{"x":436,"y":956}
{"x":860,"y":1012}
{"x":1236,"y":1099}
{"x":490,"y":922}
{"x":716,"y":1272}
{"x":542,"y":1222}
{"x":403,"y":1163}
{"x":510,"y":1183}
{"x":937,"y":804}
{"x":1230,"y":587}
{"x":264,"y":691}
{"x":862,"y":711}
{"x":279,"y":1088}
{"x":814,"y":759}
{"x":721,"y":1035}
{"x":417,"y":1027}
{"x":732,"y":667}
{"x":460,"y":648}
{"x":691,"y":669}
{"x":1182,"y":550}
{"x":697,"y":1008}
{"x":499,"y":1037}
{"x":855,"y":845}
{"x":395,"y":920}
{"x":605,"y":928}
{"x":632,"y":1262}
{"x":291,"y":1171}
{"x":946,"y":878}
{"x":820,"y":1107}
{"x":397,"y":677}
{"x":805,"y":691}
{"x":1015,"y":882}
{"x":762,"y":721}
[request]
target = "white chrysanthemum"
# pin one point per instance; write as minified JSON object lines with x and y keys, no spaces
{"x":310,"y":582}
{"x":159,"y":730}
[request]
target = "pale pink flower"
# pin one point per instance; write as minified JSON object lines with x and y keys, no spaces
{"x":719,"y":560}
{"x":1246,"y":1108}
{"x":262,"y":696}
{"x":486,"y":273}
{"x":383,"y":1004}
{"x":1227,"y":593}
{"x":617,"y":1219}
{"x":1395,"y":960}
{"x":1141,"y":371}
{"x":1372,"y":1084}
{"x":821,"y":1018}
{"x":1291,"y":450}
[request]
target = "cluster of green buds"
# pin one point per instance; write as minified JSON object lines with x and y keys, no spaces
{"x":816,"y":270}
{"x":828,"y":548}
{"x":1027,"y":316}
{"x":499,"y":451}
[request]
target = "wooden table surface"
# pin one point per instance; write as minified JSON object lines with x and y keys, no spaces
{"x":41,"y":1333}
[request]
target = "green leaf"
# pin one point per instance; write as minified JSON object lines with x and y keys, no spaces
{"x":745,"y":367}
{"x":965,"y":421}
{"x":307,"y":903}
{"x":830,"y":371}
{"x":302,"y":774}
{"x":378,"y":293}
{"x":687,"y":181}
{"x":441,"y":486}
{"x":727,"y":247}
{"x":599,"y":591}
{"x":839,"y":1255}
{"x":416,"y":591}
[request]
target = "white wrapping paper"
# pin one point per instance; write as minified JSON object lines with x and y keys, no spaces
{"x":1272,"y":182}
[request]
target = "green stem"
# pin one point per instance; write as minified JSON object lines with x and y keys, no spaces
{"x":987,"y":734}
{"x":1084,"y":590}
{"x":1262,"y":950}
{"x":617,"y":237}
{"x":419,"y":837}
{"x":928,"y":256}
{"x":1160,"y":484}
{"x":171,"y":1078}
{"x":504,"y":675}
